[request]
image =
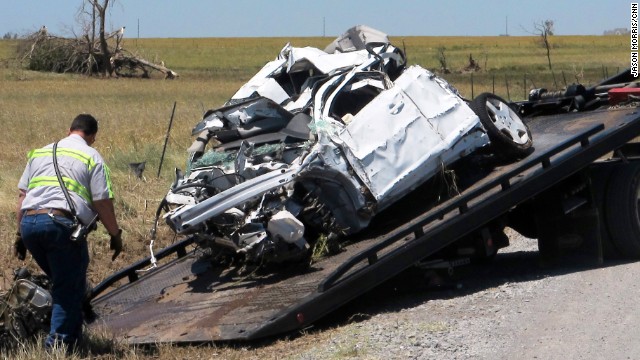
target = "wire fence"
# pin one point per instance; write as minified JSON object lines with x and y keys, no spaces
{"x":516,"y":86}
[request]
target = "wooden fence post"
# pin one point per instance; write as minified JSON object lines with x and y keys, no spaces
{"x":472,"y":86}
{"x":166,"y":139}
{"x":493,"y":83}
{"x":506,"y":81}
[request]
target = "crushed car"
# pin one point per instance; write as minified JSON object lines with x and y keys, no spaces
{"x":319,"y":142}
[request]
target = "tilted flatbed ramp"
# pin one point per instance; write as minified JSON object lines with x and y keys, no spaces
{"x":190,"y":299}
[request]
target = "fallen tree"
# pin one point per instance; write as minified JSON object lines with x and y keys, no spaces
{"x":42,"y":51}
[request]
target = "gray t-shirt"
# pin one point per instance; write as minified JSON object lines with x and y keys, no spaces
{"x":83,"y":170}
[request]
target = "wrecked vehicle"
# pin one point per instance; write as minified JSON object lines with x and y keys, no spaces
{"x":320,"y":141}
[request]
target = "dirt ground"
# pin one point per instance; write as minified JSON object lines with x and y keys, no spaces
{"x":512,"y":308}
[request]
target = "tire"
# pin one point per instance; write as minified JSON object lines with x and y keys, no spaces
{"x":622,"y":209}
{"x":510,"y":137}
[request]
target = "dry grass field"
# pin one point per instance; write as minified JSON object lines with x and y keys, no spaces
{"x":36,"y":109}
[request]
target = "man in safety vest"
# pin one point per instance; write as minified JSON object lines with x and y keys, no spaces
{"x":46,"y":221}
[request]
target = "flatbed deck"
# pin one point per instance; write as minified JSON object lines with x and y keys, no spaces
{"x":190,"y":299}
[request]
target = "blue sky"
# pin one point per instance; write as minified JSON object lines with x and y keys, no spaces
{"x":255,"y":18}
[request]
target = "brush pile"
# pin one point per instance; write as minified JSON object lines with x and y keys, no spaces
{"x":86,"y":54}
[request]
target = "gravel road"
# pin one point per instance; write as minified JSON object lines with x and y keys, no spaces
{"x":512,"y":308}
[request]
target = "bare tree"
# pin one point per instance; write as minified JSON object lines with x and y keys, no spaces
{"x":442,"y":59}
{"x":473,"y":64}
{"x":485,"y":56}
{"x":87,"y":20}
{"x":544,"y":29}
{"x":548,"y":26}
{"x":98,"y":19}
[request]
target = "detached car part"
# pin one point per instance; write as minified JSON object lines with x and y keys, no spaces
{"x":25,"y":309}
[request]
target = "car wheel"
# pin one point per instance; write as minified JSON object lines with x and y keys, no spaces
{"x":622,"y":209}
{"x":509,"y":135}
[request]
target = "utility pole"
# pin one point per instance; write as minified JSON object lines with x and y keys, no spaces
{"x":323,"y":27}
{"x":506,"y":25}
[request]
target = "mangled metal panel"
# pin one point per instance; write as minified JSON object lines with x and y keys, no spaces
{"x":243,"y":120}
{"x":302,"y":59}
{"x":408,"y":132}
{"x":263,"y":84}
{"x":356,"y":38}
{"x":192,"y":217}
{"x":307,"y":61}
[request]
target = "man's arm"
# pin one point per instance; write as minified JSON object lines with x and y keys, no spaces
{"x":21,"y":196}
{"x":107,"y":215}
{"x":19,"y":250}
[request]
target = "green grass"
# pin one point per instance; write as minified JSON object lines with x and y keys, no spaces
{"x":36,"y":109}
{"x":240,"y":58}
{"x":585,"y":59}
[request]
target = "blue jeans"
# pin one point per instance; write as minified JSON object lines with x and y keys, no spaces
{"x":65,"y":262}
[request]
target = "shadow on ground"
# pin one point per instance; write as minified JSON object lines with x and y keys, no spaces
{"x":415,"y":286}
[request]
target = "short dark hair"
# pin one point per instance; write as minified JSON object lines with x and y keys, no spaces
{"x":85,"y":123}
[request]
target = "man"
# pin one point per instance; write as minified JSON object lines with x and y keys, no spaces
{"x":46,"y":221}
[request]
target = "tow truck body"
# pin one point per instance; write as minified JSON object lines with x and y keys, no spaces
{"x":564,"y":181}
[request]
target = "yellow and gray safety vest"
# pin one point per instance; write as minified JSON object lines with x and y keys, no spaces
{"x":83,"y":171}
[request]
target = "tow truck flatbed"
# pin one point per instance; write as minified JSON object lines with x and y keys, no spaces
{"x":191,"y":299}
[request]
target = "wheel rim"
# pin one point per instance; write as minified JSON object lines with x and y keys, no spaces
{"x":507,"y":121}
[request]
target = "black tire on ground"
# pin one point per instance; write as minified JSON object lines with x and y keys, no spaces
{"x":510,"y":137}
{"x":622,"y":209}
